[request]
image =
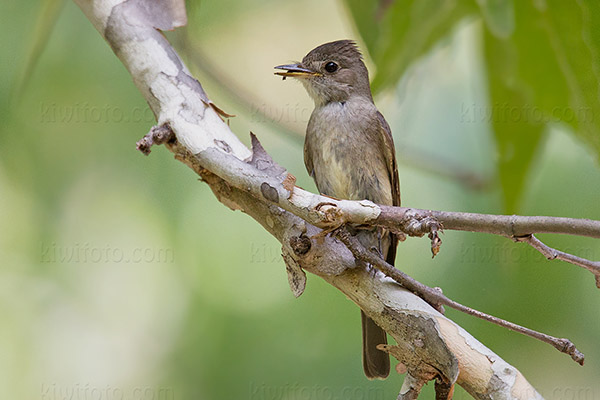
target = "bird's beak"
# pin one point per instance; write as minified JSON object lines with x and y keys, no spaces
{"x":296,"y":71}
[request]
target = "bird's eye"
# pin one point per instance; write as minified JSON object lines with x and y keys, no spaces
{"x":331,"y":67}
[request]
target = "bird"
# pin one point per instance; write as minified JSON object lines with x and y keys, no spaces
{"x":349,"y":152}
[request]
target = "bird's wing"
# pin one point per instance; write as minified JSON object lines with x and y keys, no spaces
{"x":389,"y":153}
{"x":308,"y":162}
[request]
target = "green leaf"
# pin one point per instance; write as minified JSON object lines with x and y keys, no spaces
{"x":571,"y":30}
{"x":366,"y":15}
{"x":545,"y":72}
{"x":516,"y":133}
{"x":48,"y":14}
{"x":397,"y":33}
{"x":499,"y":16}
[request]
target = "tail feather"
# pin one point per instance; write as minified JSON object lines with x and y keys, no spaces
{"x":376,"y":363}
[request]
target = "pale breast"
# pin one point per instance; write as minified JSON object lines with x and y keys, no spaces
{"x":344,"y":145}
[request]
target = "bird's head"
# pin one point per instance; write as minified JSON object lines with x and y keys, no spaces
{"x":331,"y":72}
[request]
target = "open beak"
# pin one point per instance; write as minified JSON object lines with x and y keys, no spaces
{"x":296,"y":71}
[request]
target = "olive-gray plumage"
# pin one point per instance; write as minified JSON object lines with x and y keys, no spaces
{"x":349,"y":151}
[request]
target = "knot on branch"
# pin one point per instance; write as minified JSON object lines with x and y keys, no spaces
{"x":416,"y":224}
{"x":567,"y":347}
{"x":269,"y":192}
{"x":330,"y":214}
{"x":300,"y":244}
{"x":159,"y":134}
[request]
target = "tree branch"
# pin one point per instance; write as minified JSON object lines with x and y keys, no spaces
{"x":553,"y":254}
{"x":429,"y":344}
{"x":505,"y":225}
{"x":329,"y":213}
{"x":418,"y":222}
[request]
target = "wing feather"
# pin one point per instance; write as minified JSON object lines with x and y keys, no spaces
{"x":389,"y":152}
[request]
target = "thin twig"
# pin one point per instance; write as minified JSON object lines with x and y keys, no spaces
{"x":553,"y":254}
{"x":418,"y":222}
{"x":436,"y":297}
{"x":505,"y":225}
{"x":159,"y":134}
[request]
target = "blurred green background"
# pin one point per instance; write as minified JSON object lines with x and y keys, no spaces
{"x":123,"y":277}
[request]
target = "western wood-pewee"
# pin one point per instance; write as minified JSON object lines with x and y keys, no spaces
{"x":349,"y":151}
